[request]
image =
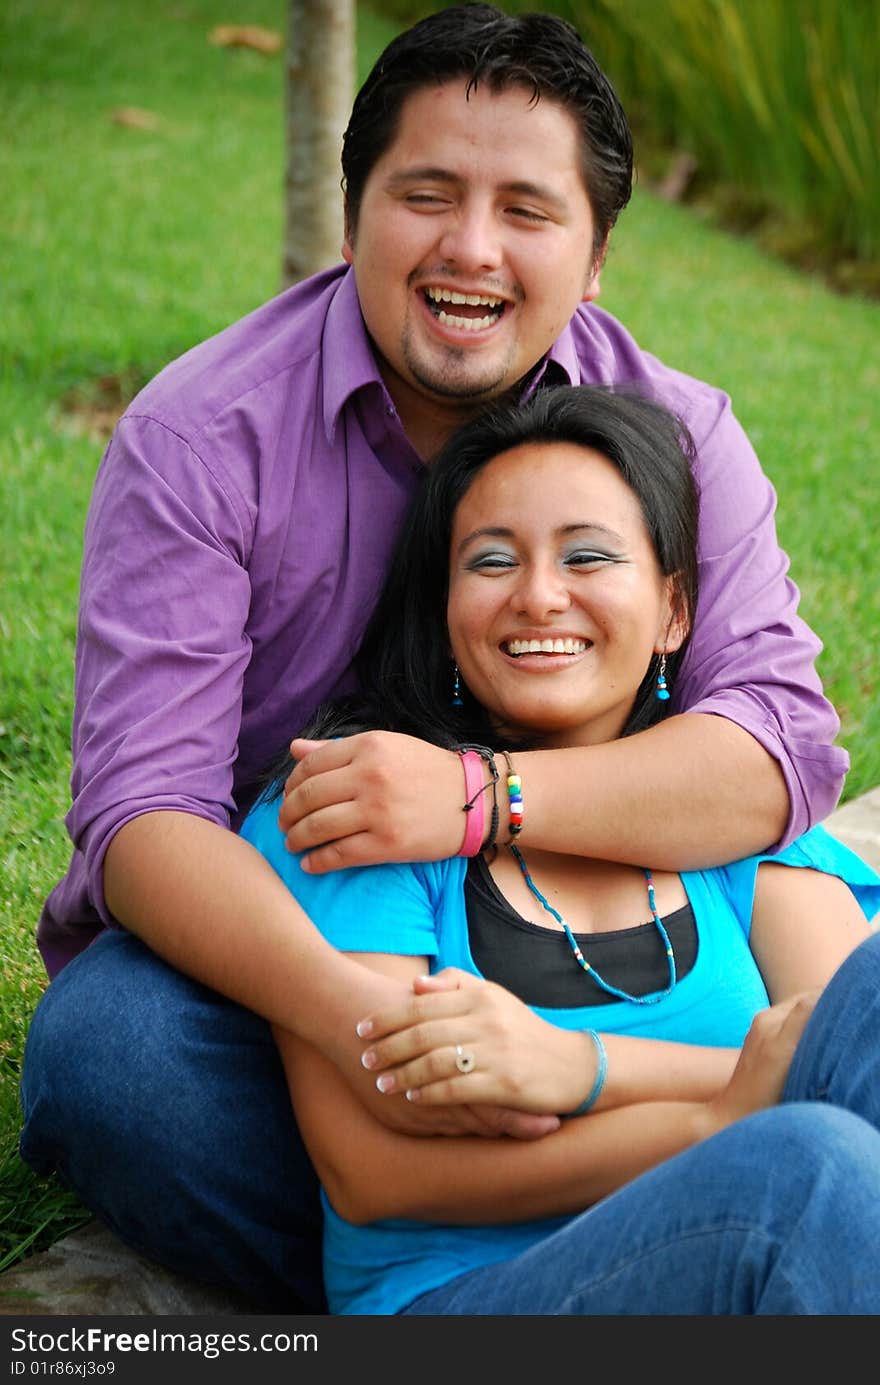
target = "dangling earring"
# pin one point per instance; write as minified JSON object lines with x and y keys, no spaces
{"x":661,"y":692}
{"x":456,"y":688}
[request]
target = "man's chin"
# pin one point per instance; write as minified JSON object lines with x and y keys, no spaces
{"x":461,"y":380}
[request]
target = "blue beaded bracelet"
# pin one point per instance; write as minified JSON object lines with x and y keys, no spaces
{"x":595,"y":1091}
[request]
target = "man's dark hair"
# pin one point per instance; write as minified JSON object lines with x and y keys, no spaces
{"x":481,"y":45}
{"x":404,"y":664}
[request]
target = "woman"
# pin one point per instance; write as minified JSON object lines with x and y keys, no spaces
{"x":542,"y":597}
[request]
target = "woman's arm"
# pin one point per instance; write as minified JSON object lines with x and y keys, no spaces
{"x":804,"y":924}
{"x":522,"y":1059}
{"x":370,"y":1173}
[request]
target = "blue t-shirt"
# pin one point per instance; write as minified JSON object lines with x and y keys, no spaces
{"x":418,"y":910}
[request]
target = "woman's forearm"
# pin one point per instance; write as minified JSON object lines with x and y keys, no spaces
{"x":655,"y":1070}
{"x":371,"y":1173}
{"x":693,"y":791}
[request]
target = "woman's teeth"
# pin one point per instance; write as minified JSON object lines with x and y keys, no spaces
{"x":566,"y":646}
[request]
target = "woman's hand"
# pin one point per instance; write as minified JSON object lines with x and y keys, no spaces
{"x":759,"y":1076}
{"x":371,"y":798}
{"x":520,"y":1060}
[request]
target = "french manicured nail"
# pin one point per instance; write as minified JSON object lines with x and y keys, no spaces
{"x":368,"y":1058}
{"x":385,"y":1083}
{"x":365,"y":1029}
{"x":413,"y":1094}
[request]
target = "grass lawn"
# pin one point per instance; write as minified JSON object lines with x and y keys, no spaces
{"x":122,"y":246}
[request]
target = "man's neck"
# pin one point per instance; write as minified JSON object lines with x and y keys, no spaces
{"x":429,"y":422}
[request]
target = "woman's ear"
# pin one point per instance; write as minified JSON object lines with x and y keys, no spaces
{"x":674,"y":624}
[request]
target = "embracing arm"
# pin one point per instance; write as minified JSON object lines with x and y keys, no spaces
{"x":690,"y":792}
{"x":370,"y":1172}
{"x":207,"y":902}
{"x":162,"y":651}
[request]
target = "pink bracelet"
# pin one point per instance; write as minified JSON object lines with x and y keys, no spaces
{"x":473,"y":804}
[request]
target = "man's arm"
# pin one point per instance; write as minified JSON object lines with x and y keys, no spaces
{"x":209,"y":904}
{"x":690,"y":792}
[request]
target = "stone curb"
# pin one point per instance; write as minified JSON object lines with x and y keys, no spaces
{"x":91,"y":1273}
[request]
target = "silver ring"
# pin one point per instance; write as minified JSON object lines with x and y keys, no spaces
{"x":464,"y":1059}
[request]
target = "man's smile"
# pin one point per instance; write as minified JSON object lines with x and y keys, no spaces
{"x":469,"y":312}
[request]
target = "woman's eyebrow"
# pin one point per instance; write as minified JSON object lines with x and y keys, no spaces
{"x":487,"y":533}
{"x":581,"y":527}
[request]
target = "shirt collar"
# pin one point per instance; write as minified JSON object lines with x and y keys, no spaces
{"x":563,"y":356}
{"x":347,"y":359}
{"x":349,"y":364}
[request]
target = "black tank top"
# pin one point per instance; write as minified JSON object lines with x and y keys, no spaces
{"x":537,"y":964}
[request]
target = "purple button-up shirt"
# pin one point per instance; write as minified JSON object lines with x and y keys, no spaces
{"x":243,"y":518}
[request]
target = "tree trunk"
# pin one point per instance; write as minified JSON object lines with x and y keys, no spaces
{"x":320,"y":90}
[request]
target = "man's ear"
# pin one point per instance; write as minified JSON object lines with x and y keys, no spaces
{"x":593,"y":287}
{"x":348,"y":238}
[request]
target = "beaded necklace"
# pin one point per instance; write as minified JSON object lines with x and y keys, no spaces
{"x":579,"y":956}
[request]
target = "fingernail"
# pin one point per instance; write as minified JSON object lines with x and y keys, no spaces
{"x":413,"y":1094}
{"x":385,"y":1083}
{"x":368,"y":1058}
{"x":365,"y":1029}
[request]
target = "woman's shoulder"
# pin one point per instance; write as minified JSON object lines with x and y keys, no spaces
{"x":814,"y":850}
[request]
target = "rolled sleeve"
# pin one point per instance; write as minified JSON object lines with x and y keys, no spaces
{"x":752,"y":658}
{"x":162,"y":644}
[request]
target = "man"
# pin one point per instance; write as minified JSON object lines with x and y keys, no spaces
{"x":241,"y":524}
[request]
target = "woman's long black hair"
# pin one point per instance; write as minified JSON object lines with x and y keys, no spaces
{"x":404,"y":664}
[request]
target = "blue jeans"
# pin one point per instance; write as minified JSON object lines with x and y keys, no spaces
{"x":165,"y":1107}
{"x":778,"y":1214}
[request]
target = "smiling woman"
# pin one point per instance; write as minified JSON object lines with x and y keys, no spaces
{"x":541,"y":597}
{"x":554,"y":620}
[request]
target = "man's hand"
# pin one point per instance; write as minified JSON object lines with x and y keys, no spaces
{"x":372,"y":798}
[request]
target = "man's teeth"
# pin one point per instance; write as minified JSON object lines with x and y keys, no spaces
{"x":436,"y":296}
{"x":473,"y":300}
{"x":566,"y":646}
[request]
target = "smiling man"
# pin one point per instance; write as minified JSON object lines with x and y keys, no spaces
{"x":472,"y":244}
{"x":242,"y":522}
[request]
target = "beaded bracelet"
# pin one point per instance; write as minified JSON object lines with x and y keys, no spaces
{"x":595,"y":1091}
{"x":515,"y":799}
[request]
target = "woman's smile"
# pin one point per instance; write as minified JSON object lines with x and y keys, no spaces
{"x":556,"y":600}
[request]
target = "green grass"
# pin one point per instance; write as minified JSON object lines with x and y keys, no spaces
{"x":123,"y":247}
